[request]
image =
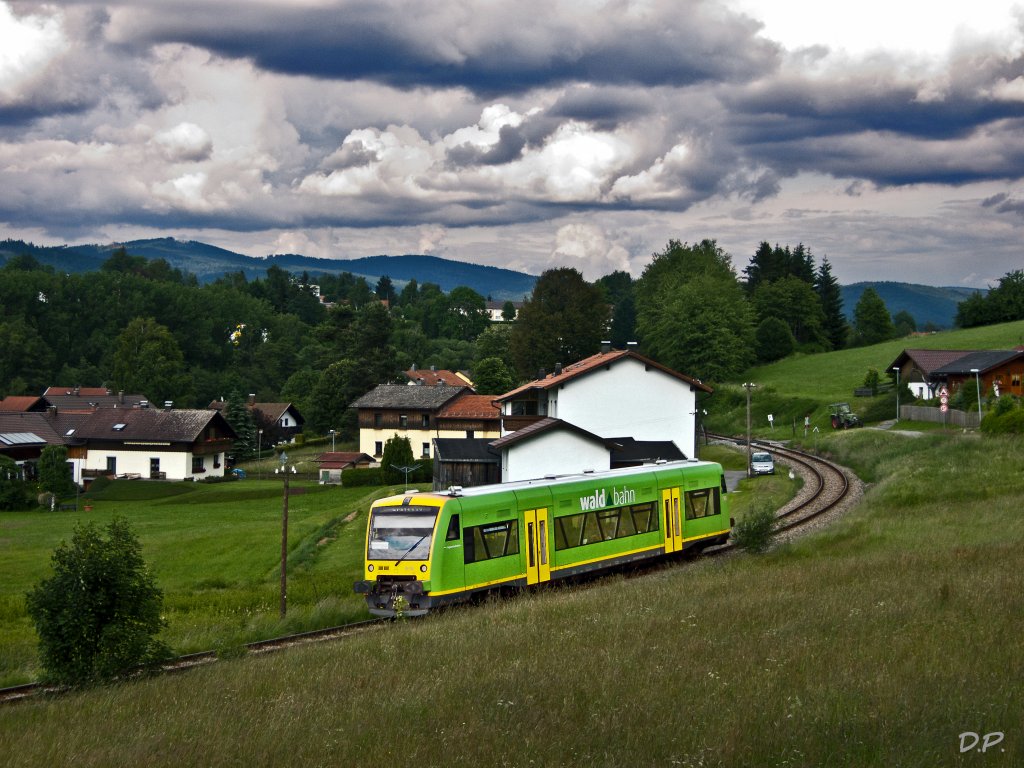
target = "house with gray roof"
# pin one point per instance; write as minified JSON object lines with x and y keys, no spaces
{"x":424,"y":413}
{"x":166,"y":444}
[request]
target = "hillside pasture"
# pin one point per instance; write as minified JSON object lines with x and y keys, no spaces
{"x":875,"y":642}
{"x":215,"y":550}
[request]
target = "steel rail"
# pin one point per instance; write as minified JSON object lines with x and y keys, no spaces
{"x":18,"y":693}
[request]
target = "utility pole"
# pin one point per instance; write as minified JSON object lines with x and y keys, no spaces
{"x":284,"y":536}
{"x":748,"y":386}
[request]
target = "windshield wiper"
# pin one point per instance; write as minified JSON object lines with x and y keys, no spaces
{"x":410,"y":549}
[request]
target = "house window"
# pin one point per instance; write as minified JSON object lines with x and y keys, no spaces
{"x":197,"y":465}
{"x":378,"y":420}
{"x":378,"y":448}
{"x":469,"y":434}
{"x":154,"y":468}
{"x":403,"y":421}
{"x":425,"y":421}
{"x":111,"y":465}
{"x":285,"y":422}
{"x":216,"y":461}
{"x":426,"y":449}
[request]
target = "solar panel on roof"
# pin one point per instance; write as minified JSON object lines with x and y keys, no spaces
{"x":20,"y":438}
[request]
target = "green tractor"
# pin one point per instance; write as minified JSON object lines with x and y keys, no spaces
{"x":843,"y":416}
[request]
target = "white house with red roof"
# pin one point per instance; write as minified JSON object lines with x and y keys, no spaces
{"x":579,"y":416}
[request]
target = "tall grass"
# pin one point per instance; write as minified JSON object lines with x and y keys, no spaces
{"x":875,"y":643}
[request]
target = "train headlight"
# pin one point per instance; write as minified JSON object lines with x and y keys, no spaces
{"x":423,"y":568}
{"x":370,"y":567}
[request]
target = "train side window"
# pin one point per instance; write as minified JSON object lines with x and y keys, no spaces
{"x":486,"y":542}
{"x":627,"y":524}
{"x":644,"y":517}
{"x":453,"y":529}
{"x":608,"y":523}
{"x":702,"y":503}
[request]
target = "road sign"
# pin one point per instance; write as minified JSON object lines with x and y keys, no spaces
{"x":943,"y":399}
{"x":943,"y":392}
{"x":943,"y":407}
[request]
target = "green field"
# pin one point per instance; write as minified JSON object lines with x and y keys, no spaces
{"x":804,"y":385}
{"x":215,"y":550}
{"x":874,"y":643}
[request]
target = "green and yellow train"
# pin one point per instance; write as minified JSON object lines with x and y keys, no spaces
{"x":429,"y":549}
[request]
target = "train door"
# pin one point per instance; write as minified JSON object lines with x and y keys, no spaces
{"x":538,"y":561}
{"x":671,"y":521}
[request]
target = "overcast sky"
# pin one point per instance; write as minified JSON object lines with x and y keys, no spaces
{"x":887,"y":136}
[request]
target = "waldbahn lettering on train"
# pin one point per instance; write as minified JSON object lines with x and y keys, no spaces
{"x":428,"y":549}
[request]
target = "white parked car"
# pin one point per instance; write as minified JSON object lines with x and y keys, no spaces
{"x":761,"y":463}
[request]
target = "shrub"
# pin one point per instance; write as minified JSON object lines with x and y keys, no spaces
{"x":14,"y":492}
{"x":98,"y":615}
{"x":753,"y":531}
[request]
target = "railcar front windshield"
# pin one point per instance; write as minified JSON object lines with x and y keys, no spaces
{"x":401,"y":533}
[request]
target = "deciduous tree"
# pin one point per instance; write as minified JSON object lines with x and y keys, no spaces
{"x":562,"y":322}
{"x":98,"y":615}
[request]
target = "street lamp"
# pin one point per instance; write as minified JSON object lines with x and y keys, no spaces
{"x":977,"y":383}
{"x":332,"y":440}
{"x":748,"y":386}
{"x":284,"y":534}
{"x":259,"y":453}
{"x":897,"y":369}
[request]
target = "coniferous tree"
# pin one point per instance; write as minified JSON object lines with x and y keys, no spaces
{"x":872,"y":321}
{"x":397,"y":453}
{"x":836,"y":328}
{"x":238,"y":415}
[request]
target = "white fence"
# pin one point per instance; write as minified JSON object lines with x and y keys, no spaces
{"x":952,"y":418}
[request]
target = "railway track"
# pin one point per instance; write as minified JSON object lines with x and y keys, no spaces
{"x":826,"y":487}
{"x":192,"y":660}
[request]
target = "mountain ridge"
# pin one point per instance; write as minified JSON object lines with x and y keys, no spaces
{"x":930,"y":306}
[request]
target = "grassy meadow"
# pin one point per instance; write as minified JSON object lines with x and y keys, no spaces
{"x":804,"y":385}
{"x":875,"y":642}
{"x":215,"y":551}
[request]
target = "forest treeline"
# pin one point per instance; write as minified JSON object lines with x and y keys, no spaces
{"x":143,"y":327}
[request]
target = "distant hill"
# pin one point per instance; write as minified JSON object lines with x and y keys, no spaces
{"x":925,"y":303}
{"x":208,"y":262}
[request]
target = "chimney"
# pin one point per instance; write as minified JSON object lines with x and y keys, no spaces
{"x":558,"y":369}
{"x":51,"y":411}
{"x":414,"y":366}
{"x":76,"y":391}
{"x":252,"y":398}
{"x":541,"y":373}
{"x":606,"y":347}
{"x":433,"y":368}
{"x":120,"y":396}
{"x":168,"y":405}
{"x":631,"y":344}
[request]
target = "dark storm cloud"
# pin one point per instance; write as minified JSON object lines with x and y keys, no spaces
{"x":509,"y":147}
{"x":604,"y":108}
{"x":484,"y":47}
